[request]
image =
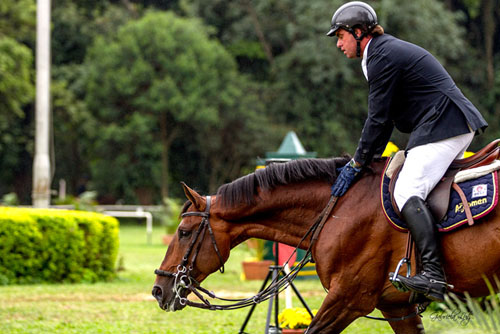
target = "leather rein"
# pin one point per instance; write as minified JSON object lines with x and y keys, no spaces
{"x":184,"y":281}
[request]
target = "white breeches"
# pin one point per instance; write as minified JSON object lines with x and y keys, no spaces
{"x":425,"y":165}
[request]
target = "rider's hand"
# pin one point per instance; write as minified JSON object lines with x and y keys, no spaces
{"x":346,"y":177}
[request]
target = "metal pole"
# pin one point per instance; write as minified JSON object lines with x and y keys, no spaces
{"x":41,"y":163}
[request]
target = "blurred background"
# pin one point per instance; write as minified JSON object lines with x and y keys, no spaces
{"x":145,"y":94}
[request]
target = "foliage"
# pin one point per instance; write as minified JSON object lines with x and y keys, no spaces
{"x":294,"y":78}
{"x":10,"y":199}
{"x":73,"y":126}
{"x":17,"y":34}
{"x":171,"y":214}
{"x":257,"y":248}
{"x":155,"y":76}
{"x":16,"y":91}
{"x":481,"y":313}
{"x":56,"y":246}
{"x":418,"y":21}
{"x":16,"y":84}
{"x":17,"y":18}
{"x":321,"y":94}
{"x":293,"y":318}
{"x":86,"y":201}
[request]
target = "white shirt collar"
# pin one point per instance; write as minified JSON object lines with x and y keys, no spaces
{"x":363,"y":61}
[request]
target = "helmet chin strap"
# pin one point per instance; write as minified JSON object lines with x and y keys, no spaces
{"x":358,"y":41}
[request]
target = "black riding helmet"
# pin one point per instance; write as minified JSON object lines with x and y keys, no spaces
{"x":354,"y":14}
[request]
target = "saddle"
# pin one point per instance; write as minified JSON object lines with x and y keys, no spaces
{"x":439,"y":198}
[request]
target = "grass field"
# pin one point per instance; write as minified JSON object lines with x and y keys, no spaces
{"x":126,"y":305}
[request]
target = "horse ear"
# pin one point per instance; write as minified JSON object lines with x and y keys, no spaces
{"x":195,"y":198}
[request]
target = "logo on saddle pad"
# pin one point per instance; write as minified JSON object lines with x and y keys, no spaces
{"x":479,"y":190}
{"x":460,"y":206}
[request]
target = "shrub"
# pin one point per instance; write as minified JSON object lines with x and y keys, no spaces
{"x":43,"y":245}
{"x":170,"y":214}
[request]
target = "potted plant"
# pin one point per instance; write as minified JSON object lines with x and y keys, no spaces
{"x":170,"y":218}
{"x":294,"y":320}
{"x":255,"y":267}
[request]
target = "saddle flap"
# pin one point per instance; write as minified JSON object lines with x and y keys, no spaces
{"x":439,"y":198}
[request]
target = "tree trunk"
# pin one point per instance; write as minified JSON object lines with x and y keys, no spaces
{"x":489,"y":25}
{"x":258,"y":30}
{"x":166,"y":141}
{"x":214,"y":180}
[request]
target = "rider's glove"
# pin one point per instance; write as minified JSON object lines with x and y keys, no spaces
{"x":346,"y":177}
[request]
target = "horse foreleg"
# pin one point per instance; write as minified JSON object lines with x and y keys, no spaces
{"x":336,"y":313}
{"x":394,"y":304}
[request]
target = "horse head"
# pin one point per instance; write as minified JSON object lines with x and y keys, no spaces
{"x":201,"y":246}
{"x":277,"y":203}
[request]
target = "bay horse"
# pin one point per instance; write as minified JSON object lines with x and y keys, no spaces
{"x":354,"y":252}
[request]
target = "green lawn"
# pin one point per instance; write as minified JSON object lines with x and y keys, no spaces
{"x":126,"y":305}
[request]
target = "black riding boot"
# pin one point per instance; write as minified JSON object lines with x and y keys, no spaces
{"x":431,"y":281}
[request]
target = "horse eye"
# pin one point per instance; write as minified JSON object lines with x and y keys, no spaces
{"x":184,"y":234}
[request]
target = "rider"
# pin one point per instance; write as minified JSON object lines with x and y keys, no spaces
{"x":410,"y":90}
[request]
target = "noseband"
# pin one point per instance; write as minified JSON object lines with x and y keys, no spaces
{"x":183,"y":278}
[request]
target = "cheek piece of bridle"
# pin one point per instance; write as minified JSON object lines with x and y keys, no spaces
{"x":183,"y":280}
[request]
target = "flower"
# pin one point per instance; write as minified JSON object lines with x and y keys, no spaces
{"x":293,"y":318}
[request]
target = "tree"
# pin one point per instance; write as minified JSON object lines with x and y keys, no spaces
{"x":75,"y":25}
{"x":244,"y":132}
{"x":16,"y":80}
{"x":312,"y":87}
{"x":481,"y":66}
{"x":158,"y":75}
{"x":17,"y":21}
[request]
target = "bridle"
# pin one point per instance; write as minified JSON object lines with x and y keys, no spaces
{"x":184,"y":281}
{"x":204,"y":225}
{"x":183,"y":277}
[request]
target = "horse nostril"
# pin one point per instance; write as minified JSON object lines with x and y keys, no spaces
{"x":157,"y":292}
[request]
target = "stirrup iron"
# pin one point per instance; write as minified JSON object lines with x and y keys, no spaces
{"x":394,"y":276}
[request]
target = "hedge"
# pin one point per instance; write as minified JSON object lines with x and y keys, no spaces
{"x":45,"y":245}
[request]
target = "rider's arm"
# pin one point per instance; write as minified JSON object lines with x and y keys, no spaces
{"x":383,"y":76}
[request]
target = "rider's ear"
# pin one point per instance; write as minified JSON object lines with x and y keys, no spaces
{"x":195,"y":198}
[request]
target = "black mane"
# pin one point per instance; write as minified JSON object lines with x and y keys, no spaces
{"x":245,"y":188}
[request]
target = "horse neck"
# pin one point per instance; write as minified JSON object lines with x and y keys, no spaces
{"x":283,"y":214}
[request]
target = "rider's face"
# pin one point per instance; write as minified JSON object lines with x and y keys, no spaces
{"x":346,"y":42}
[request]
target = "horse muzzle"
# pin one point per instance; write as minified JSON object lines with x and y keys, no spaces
{"x":169,"y":302}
